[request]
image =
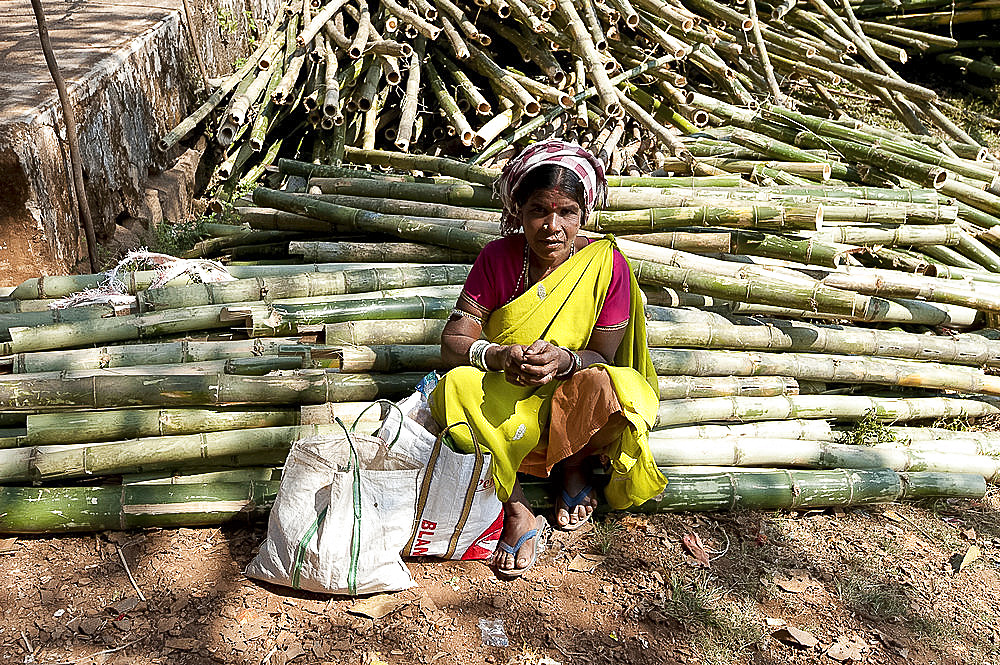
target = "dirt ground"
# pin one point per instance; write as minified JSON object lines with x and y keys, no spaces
{"x":893,"y":584}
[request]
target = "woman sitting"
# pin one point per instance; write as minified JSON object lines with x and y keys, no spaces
{"x":564,"y":372}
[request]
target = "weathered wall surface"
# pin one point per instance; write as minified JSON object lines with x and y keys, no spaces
{"x":127,"y":92}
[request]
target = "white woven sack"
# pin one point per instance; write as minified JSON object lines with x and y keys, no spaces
{"x":458,"y":514}
{"x":340,"y":520}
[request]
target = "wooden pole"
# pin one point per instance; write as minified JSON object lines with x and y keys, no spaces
{"x":69,"y":117}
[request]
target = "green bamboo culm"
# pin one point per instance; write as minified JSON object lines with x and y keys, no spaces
{"x":46,"y":510}
{"x":731,"y":488}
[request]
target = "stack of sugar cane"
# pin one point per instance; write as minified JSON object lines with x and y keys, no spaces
{"x":796,"y":311}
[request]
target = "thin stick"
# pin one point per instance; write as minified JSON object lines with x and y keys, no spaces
{"x":76,"y":163}
{"x":194,"y":47}
{"x":130,"y":578}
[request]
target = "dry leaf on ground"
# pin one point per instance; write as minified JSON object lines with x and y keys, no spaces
{"x":692,"y":543}
{"x":796,"y":637}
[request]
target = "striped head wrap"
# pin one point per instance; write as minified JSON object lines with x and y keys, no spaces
{"x":568,"y":155}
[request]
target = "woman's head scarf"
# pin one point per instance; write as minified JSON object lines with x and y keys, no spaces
{"x":567,"y":155}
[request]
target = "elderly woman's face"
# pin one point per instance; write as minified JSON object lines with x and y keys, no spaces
{"x":551,"y":220}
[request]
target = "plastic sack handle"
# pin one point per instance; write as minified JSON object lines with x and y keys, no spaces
{"x":300,"y":549}
{"x":352,"y":572}
{"x":470,"y":492}
{"x":392,"y":405}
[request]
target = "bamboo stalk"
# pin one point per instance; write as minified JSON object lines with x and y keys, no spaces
{"x":408,"y":112}
{"x":745,"y":451}
{"x":843,"y":407}
{"x":403,"y":207}
{"x":717,"y":332}
{"x":371,"y":333}
{"x":752,"y":217}
{"x":823,"y":367}
{"x":388,"y":252}
{"x":99,"y":391}
{"x":92,"y":426}
{"x":45,"y":510}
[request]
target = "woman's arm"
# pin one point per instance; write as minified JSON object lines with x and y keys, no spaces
{"x":459,"y":334}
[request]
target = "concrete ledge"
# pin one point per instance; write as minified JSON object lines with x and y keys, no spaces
{"x":131,"y":77}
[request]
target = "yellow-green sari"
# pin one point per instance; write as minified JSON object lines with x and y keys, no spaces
{"x":509,"y":420}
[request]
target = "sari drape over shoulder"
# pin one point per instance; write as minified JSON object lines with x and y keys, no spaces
{"x":511,"y":420}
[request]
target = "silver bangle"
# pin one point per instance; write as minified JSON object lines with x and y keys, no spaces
{"x":576,"y":362}
{"x":477,"y":354}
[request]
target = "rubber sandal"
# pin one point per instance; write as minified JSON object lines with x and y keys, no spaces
{"x":570,"y":503}
{"x":514,"y":573}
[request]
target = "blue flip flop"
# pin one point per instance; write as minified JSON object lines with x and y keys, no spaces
{"x":570,"y":503}
{"x":514,"y":573}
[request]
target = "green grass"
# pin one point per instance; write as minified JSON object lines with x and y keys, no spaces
{"x":175,"y":238}
{"x":606,"y":532}
{"x":229,"y":21}
{"x":725,"y":627}
{"x":869,"y":431}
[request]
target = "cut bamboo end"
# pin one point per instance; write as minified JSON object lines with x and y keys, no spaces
{"x":937,"y":178}
{"x":747,"y":25}
{"x":632,"y":20}
{"x":393,"y":78}
{"x":354,"y":53}
{"x":467,"y":137}
{"x":226,"y":134}
{"x":531,"y":109}
{"x":484,"y":40}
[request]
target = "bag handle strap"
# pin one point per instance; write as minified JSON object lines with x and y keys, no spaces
{"x":470,"y":491}
{"x":352,"y":572}
{"x":303,"y":544}
{"x":390,"y":405}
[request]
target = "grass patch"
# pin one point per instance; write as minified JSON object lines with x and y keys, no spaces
{"x":175,"y":238}
{"x":873,"y":598}
{"x":606,"y":532}
{"x":960,"y":424}
{"x":869,"y":431}
{"x":725,"y":628}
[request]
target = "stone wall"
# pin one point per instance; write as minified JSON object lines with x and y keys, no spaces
{"x":123,"y":103}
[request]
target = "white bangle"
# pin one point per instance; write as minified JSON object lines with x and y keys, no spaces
{"x":477,"y":354}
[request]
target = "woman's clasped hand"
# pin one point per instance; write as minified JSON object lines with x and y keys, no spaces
{"x":533,"y":365}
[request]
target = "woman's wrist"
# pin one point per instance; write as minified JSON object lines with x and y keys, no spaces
{"x":572,"y":364}
{"x":491,"y":358}
{"x":478,"y":352}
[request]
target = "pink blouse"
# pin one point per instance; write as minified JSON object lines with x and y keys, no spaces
{"x":497,"y":277}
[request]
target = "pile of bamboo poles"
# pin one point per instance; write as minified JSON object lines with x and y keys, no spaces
{"x":693,"y":86}
{"x":807,"y":340}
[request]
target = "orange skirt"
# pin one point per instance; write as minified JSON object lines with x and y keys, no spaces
{"x":581,"y":406}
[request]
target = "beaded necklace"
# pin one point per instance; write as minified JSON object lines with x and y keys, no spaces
{"x":523,"y":278}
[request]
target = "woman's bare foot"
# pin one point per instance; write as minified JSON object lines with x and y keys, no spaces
{"x":517,"y":521}
{"x":574,"y":484}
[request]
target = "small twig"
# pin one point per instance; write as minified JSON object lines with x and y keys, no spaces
{"x":27,"y":643}
{"x":918,"y":528}
{"x":130,"y":578}
{"x":99,"y":653}
{"x":270,"y":653}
